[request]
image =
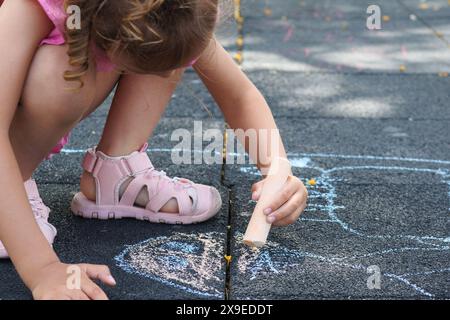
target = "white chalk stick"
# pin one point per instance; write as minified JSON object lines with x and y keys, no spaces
{"x":258,"y":228}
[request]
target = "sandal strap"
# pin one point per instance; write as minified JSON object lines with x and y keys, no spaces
{"x":132,"y":191}
{"x":159,"y":198}
{"x":109,"y":173}
{"x":129,"y":166}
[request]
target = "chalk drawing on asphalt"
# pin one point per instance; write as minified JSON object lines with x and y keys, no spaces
{"x":194,"y":262}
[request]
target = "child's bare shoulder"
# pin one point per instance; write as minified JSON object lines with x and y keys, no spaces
{"x":27,"y":17}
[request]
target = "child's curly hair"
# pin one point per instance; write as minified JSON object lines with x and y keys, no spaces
{"x":149,"y":36}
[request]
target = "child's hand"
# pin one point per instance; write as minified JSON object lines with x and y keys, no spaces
{"x":58,"y":281}
{"x":288,"y":203}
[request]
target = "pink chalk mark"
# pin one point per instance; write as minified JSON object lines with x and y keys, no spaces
{"x":289,"y":33}
{"x":307,"y":52}
{"x":404,"y":52}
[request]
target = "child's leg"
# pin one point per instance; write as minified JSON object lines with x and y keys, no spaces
{"x":139,"y":102}
{"x":138,"y":105}
{"x":47,"y":111}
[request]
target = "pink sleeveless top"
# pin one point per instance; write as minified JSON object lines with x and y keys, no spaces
{"x":55,"y":11}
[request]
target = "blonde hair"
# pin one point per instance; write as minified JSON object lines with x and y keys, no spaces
{"x":149,"y":36}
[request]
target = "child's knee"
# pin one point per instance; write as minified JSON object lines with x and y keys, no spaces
{"x":47,"y":94}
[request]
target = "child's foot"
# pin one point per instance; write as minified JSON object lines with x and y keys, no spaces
{"x":41,"y":213}
{"x":130,"y":187}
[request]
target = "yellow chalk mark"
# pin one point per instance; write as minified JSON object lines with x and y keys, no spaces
{"x":237,"y":11}
{"x":267,"y":12}
{"x":238,"y":57}
{"x":240,"y":41}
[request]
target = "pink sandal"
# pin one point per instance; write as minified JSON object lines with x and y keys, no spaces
{"x":41,"y":213}
{"x":196,"y":202}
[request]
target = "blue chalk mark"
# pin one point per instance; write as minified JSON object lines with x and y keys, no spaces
{"x":180,"y":246}
{"x":300,"y":162}
{"x":185,"y":262}
{"x":368,"y":157}
{"x":306,"y":156}
{"x":407,"y":282}
{"x":173,"y":263}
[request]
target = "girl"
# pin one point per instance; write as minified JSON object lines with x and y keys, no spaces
{"x":142,"y":46}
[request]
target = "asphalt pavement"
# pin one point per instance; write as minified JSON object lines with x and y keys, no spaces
{"x":364,"y":116}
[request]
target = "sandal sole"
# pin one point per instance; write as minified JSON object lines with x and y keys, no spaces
{"x":87,"y":209}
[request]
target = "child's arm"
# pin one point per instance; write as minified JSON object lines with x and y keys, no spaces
{"x":245,"y":108}
{"x":242,"y":104}
{"x":22,"y":26}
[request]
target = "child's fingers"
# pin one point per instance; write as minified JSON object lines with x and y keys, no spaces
{"x":256,"y":190}
{"x":54,"y":296}
{"x":99,"y":272}
{"x":290,"y":219}
{"x":285,"y":222}
{"x":257,"y":185}
{"x":289,"y":210}
{"x":107,"y":279}
{"x":79,"y":295}
{"x":93,"y":291}
{"x":282,"y":196}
